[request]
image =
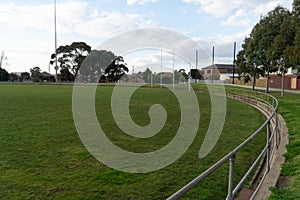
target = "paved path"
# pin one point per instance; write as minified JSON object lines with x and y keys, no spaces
{"x":264,"y":89}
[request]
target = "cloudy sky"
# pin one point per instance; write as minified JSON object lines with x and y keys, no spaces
{"x":27,"y":26}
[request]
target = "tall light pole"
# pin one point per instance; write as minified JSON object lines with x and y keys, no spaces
{"x":161,"y":66}
{"x":173,"y":67}
{"x":55,"y":35}
{"x":233,"y":71}
{"x":213,"y":63}
{"x":196,"y":63}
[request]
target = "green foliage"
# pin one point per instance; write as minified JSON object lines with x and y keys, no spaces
{"x":66,"y":75}
{"x":289,"y":108}
{"x":95,"y":64}
{"x":36,"y":74}
{"x":116,"y":70}
{"x":273,"y":45}
{"x":4,"y":76}
{"x":147,"y":75}
{"x":14,"y":77}
{"x":71,"y":56}
{"x":25,"y":76}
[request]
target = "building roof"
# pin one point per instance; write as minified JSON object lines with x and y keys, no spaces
{"x":221,"y":66}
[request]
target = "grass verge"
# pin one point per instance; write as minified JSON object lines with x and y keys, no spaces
{"x":289,"y":108}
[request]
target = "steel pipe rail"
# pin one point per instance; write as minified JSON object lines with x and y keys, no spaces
{"x":268,"y":105}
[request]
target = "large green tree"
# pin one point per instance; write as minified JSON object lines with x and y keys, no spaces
{"x":184,"y":77}
{"x":296,"y":18}
{"x":71,"y":56}
{"x":36,"y":74}
{"x":259,"y":47}
{"x":147,"y":75}
{"x":25,"y":76}
{"x":4,"y":75}
{"x":116,"y":69}
{"x":282,"y":48}
{"x":93,"y":67}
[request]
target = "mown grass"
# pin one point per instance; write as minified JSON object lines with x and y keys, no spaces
{"x":42,"y":157}
{"x":289,"y":108}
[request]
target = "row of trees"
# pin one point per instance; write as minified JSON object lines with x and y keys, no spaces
{"x":99,"y":65}
{"x":273,"y":45}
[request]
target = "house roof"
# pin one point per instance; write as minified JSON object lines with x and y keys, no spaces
{"x":221,"y":66}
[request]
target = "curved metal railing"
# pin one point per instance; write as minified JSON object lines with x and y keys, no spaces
{"x":268,"y":105}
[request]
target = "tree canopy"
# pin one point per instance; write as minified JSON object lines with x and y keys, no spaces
{"x":4,"y":75}
{"x":116,"y":69}
{"x":70,"y":57}
{"x":35,"y":74}
{"x":273,"y":44}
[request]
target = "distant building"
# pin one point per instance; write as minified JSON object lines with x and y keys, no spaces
{"x":220,"y":71}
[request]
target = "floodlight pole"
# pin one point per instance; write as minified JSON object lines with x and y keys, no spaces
{"x":151,"y":77}
{"x":196,"y":63}
{"x":189,"y":81}
{"x":213,"y":62}
{"x":233,"y":71}
{"x":161,"y":66}
{"x":55,"y":35}
{"x":173,"y":67}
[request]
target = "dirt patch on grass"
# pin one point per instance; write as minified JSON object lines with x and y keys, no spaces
{"x":282,"y":182}
{"x":56,"y":190}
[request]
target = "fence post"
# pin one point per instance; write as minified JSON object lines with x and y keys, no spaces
{"x":268,"y":147}
{"x":276,"y":129}
{"x":230,"y":179}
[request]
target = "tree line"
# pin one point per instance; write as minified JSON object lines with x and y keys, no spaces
{"x":67,"y":61}
{"x":99,"y":65}
{"x":273,"y":45}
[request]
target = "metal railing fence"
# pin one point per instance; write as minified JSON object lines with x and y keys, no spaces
{"x":268,"y":105}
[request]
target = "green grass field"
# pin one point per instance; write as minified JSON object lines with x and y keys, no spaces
{"x":42,"y":157}
{"x":289,"y":108}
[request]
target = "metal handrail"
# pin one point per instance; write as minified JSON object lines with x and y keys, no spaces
{"x":270,"y":111}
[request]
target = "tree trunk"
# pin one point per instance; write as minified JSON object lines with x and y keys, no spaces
{"x":282,"y":84}
{"x":254,"y":80}
{"x":254,"y":83}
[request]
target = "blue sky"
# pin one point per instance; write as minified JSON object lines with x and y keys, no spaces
{"x":27,"y":27}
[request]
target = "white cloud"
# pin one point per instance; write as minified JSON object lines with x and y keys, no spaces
{"x":238,"y":12}
{"x":240,"y":18}
{"x":42,"y":17}
{"x":72,"y":17}
{"x":243,"y":17}
{"x":109,"y":24}
{"x":223,"y":45}
{"x":140,"y":2}
{"x":75,"y":20}
{"x":219,"y":8}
